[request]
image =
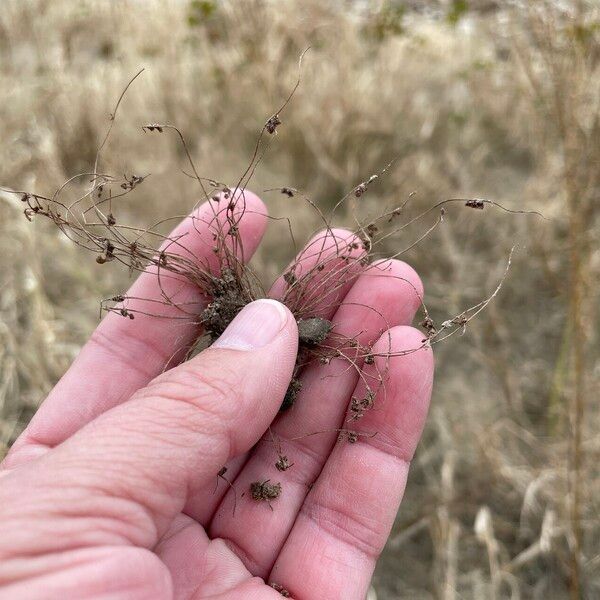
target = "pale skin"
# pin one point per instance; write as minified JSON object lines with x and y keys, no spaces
{"x":110,"y":491}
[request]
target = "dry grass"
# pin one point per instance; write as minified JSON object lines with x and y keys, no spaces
{"x":503,"y":497}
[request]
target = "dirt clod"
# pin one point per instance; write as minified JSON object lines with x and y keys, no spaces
{"x":313,"y":332}
{"x":228,"y":299}
{"x":291,"y":394}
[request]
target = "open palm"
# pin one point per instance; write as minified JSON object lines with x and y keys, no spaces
{"x":112,"y":491}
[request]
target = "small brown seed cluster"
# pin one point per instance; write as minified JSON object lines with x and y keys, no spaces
{"x":358,"y":406}
{"x":272,"y":124}
{"x":264,"y":490}
{"x":350,"y":436}
{"x":478,"y":204}
{"x":283,"y":463}
{"x":153,"y":127}
{"x":429,"y":326}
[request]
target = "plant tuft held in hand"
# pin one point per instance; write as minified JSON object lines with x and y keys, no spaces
{"x":86,"y":208}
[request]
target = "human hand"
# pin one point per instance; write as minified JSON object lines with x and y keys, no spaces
{"x":110,"y":491}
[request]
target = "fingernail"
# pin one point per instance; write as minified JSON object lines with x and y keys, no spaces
{"x":255,"y":326}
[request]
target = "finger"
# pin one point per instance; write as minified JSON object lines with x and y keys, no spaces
{"x":386,"y":294}
{"x":346,"y":518}
{"x":123,"y":355}
{"x":126,"y":475}
{"x":312,"y":292}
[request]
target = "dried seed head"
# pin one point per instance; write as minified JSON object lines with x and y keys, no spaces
{"x":478,"y":204}
{"x":358,"y":407}
{"x":153,"y":127}
{"x":108,"y":253}
{"x":289,"y":277}
{"x":350,"y":436}
{"x":360,"y":190}
{"x":460,"y":320}
{"x":428,"y":324}
{"x":371,"y":229}
{"x":272,"y":124}
{"x":283,"y":463}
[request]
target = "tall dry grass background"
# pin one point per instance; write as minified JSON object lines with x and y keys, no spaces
{"x":482,"y":99}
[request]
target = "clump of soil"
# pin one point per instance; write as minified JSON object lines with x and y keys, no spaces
{"x":313,"y":332}
{"x":229,"y":298}
{"x":291,"y":394}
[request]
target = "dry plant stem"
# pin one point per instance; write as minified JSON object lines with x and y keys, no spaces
{"x":221,"y":475}
{"x":112,"y":118}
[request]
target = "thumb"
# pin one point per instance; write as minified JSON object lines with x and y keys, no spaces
{"x":129,"y":471}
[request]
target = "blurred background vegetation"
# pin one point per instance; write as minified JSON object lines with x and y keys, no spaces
{"x":476,"y":98}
